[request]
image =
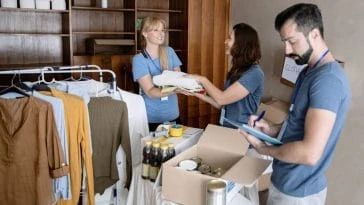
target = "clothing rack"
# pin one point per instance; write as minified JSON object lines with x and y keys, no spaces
{"x":81,"y":67}
{"x":65,"y":69}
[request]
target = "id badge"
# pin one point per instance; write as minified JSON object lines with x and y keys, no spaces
{"x":164,"y":98}
{"x":222,"y":116}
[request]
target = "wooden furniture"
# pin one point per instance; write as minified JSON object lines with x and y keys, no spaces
{"x":208,"y":28}
{"x":85,"y":33}
{"x":34,"y":38}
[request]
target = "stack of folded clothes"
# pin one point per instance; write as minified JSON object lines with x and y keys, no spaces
{"x":171,"y":80}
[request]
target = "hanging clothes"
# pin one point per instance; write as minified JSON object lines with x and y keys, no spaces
{"x":137,"y":114}
{"x":61,"y":185}
{"x":79,"y":147}
{"x":138,"y":123}
{"x":109,"y":129}
{"x":30,"y":152}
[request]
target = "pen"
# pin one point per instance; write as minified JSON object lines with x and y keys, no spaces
{"x":259,"y":117}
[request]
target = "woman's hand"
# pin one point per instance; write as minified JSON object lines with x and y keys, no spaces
{"x":198,"y":78}
{"x":184,"y":92}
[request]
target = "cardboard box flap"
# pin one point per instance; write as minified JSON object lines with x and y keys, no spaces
{"x":222,"y":138}
{"x":247,"y":170}
{"x":276,"y":110}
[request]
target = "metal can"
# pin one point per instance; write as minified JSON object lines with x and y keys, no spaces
{"x":216,"y":192}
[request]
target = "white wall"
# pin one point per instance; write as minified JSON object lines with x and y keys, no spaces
{"x":344,"y":34}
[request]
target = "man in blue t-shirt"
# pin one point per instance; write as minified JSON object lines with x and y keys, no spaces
{"x":319,"y":105}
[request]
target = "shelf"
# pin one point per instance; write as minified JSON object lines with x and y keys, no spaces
{"x":114,"y":42}
{"x":32,"y":65}
{"x":101,"y":9}
{"x":108,"y":46}
{"x":174,"y":30}
{"x":36,"y":34}
{"x":37,"y":37}
{"x":33,"y":10}
{"x":158,"y":10}
{"x":101,"y":33}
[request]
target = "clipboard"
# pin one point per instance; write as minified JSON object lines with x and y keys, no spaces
{"x":258,"y":134}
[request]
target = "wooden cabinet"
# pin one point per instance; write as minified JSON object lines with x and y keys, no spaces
{"x":208,"y":27}
{"x":85,"y":33}
{"x":103,"y":31}
{"x":34,"y":38}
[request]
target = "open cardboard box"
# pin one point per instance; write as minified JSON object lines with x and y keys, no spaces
{"x":219,"y":147}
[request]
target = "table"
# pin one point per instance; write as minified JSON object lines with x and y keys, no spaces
{"x":145,"y":192}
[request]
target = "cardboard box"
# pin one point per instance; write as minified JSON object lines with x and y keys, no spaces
{"x":219,"y":147}
{"x":275,"y":110}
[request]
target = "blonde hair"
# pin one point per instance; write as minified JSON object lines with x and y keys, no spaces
{"x":148,"y":24}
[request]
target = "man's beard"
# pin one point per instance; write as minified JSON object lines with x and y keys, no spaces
{"x":301,"y":60}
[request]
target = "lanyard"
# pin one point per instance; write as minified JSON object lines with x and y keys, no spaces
{"x":300,"y":80}
{"x":150,"y":58}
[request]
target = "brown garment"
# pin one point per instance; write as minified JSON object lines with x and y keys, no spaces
{"x":30,"y":152}
{"x":109,"y":128}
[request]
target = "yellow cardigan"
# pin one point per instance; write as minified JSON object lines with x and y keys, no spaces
{"x":79,"y":145}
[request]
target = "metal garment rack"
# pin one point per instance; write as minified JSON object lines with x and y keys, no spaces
{"x":66,"y":69}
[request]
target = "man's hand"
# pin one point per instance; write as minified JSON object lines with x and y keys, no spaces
{"x":258,"y":145}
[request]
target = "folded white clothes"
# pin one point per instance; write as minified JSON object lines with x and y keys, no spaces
{"x":177,"y":79}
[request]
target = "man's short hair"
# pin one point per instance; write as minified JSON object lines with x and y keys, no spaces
{"x":306,"y":16}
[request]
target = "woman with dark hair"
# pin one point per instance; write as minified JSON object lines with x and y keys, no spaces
{"x":243,"y":88}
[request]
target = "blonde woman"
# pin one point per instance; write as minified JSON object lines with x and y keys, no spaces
{"x":154,"y":58}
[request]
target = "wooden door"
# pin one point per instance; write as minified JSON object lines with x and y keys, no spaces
{"x":208,"y":26}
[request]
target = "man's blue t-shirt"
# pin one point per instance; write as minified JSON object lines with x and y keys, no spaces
{"x":158,"y":110}
{"x":324,"y":87}
{"x":239,"y":111}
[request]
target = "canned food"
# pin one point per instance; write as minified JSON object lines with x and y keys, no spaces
{"x":188,"y":164}
{"x":216,"y":192}
{"x":198,"y":160}
{"x":218,"y":172}
{"x":204,"y":169}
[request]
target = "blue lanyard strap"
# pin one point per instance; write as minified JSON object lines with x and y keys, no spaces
{"x":320,"y":59}
{"x":150,"y":58}
{"x":300,"y":80}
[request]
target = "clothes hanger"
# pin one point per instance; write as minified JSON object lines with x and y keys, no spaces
{"x":22,"y":85}
{"x":14,"y":89}
{"x":42,"y":84}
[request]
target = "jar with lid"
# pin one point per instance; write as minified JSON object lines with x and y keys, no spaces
{"x":155,"y":162}
{"x":171,"y":151}
{"x":147,"y":154}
